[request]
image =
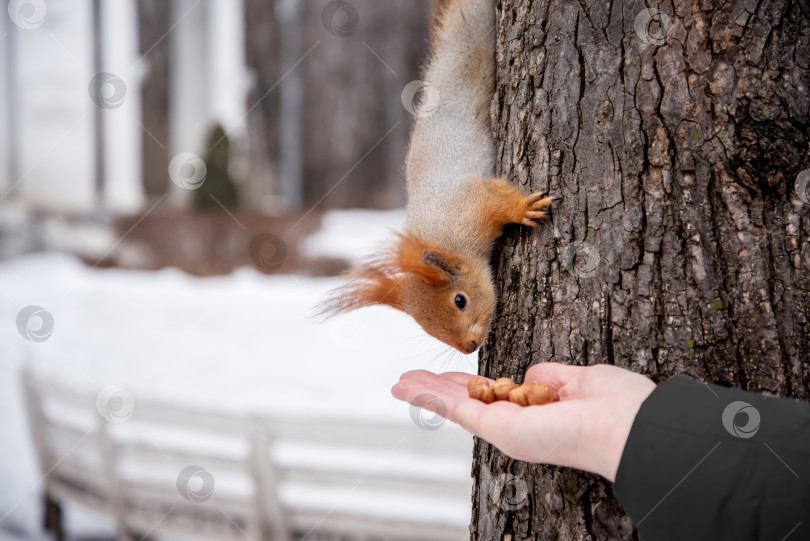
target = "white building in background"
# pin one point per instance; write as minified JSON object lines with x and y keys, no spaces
{"x":49,"y":60}
{"x":58,"y":149}
{"x":5,"y":142}
{"x":120,"y":127}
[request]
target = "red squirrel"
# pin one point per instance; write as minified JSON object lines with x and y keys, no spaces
{"x":437,"y":270}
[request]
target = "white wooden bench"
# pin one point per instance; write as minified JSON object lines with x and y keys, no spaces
{"x":256,"y":478}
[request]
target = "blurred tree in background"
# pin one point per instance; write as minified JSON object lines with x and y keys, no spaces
{"x":353,"y":116}
{"x":219,"y":188}
{"x":354,"y":129}
{"x":154,"y":22}
{"x":262,"y":58}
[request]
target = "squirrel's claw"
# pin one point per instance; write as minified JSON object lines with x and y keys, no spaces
{"x":532,"y":216}
{"x":538,"y":201}
{"x":536,"y":196}
{"x":534,"y":203}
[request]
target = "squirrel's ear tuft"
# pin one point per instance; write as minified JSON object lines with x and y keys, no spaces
{"x":367,"y":285}
{"x":439,"y":261}
{"x":423,"y":258}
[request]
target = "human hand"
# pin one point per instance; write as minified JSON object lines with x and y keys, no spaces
{"x":586,"y":429}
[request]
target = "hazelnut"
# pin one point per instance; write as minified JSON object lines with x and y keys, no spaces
{"x":480,"y":389}
{"x":501,"y":388}
{"x":533,"y":394}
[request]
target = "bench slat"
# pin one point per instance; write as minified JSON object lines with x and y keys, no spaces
{"x":378,"y":481}
{"x":365,"y":468}
{"x":359,"y":528}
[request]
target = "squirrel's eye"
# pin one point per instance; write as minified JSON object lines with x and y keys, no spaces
{"x":461,"y":301}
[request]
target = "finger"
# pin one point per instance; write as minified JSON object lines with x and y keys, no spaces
{"x":452,"y":398}
{"x":483,"y":420}
{"x":415,"y":374}
{"x":428,"y":383}
{"x":535,"y":214}
{"x":462,"y":378}
{"x":455,"y":379}
{"x":554,"y":375}
{"x":503,"y":423}
{"x":435,"y":397}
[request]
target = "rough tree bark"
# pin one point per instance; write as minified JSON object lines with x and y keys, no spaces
{"x":680,"y":245}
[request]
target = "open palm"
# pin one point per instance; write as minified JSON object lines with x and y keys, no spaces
{"x":586,"y":429}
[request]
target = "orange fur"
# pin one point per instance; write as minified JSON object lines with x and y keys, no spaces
{"x":380,"y":280}
{"x":367,"y":285}
{"x":410,"y":253}
{"x":505,"y":204}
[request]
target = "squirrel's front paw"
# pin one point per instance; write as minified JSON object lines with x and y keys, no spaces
{"x":534,"y":203}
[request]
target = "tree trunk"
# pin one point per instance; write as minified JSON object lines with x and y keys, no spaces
{"x":262,"y":57}
{"x":154,"y":24}
{"x":355,"y":127}
{"x":680,"y":245}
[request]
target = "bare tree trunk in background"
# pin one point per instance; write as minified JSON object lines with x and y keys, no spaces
{"x":680,"y":245}
{"x":352,"y":87}
{"x":404,"y":49}
{"x":352,"y":79}
{"x":154,"y":22}
{"x":262,"y":57}
{"x":98,"y":122}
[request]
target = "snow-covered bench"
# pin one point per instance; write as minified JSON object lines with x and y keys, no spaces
{"x":161,"y":469}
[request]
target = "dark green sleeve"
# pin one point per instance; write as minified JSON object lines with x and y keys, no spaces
{"x":709,"y":462}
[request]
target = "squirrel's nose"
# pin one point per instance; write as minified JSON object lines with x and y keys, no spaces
{"x":471,"y":346}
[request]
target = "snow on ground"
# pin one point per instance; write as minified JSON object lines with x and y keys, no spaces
{"x":239,"y":343}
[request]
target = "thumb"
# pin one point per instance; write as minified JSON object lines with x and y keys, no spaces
{"x":553,"y":374}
